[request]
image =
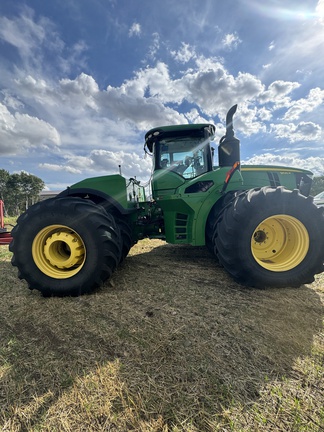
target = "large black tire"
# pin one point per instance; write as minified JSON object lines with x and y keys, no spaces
{"x":126,"y":236}
{"x":217,"y":208}
{"x":271,"y":237}
{"x":65,"y":246}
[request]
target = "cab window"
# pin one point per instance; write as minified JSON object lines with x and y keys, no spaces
{"x":186,"y":158}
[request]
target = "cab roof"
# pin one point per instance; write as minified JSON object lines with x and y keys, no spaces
{"x":177,"y":131}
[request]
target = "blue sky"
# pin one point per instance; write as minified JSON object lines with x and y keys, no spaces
{"x":82,"y":81}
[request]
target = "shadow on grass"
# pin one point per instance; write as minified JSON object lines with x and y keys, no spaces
{"x":170,"y":340}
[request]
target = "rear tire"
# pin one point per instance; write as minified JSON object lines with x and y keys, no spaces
{"x":65,"y":246}
{"x":213,"y":217}
{"x":271,"y":237}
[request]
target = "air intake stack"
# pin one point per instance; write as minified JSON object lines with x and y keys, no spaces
{"x":229,"y":146}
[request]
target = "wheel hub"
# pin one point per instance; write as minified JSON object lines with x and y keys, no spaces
{"x":280,"y":243}
{"x":63,"y":250}
{"x":58,"y":251}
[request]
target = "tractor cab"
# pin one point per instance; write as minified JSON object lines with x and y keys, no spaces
{"x":180,"y":153}
{"x":183,"y":149}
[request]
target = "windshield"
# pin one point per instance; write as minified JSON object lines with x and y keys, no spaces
{"x":186,"y":156}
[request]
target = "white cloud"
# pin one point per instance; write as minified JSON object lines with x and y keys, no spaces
{"x":135,"y":30}
{"x":314,"y":99}
{"x":23,"y":33}
{"x":193,"y":116}
{"x":21,"y":132}
{"x":248,"y":121}
{"x":231,"y":41}
{"x":154,"y":46}
{"x":97,"y":119}
{"x":208,"y":85}
{"x":141,"y":111}
{"x":59,"y":168}
{"x":29,"y":36}
{"x":101,"y":162}
{"x":303,"y":131}
{"x":36,"y":38}
{"x":289,"y":159}
{"x":264,"y":114}
{"x":184,"y":54}
{"x":36,"y":90}
{"x":81,"y":91}
{"x":99,"y":127}
{"x":278,"y":91}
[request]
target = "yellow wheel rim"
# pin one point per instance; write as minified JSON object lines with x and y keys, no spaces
{"x":58,"y":251}
{"x":280,"y":243}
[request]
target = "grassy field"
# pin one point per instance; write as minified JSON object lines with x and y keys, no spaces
{"x":171,"y":343}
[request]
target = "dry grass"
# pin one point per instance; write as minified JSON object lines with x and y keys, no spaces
{"x":170,"y":344}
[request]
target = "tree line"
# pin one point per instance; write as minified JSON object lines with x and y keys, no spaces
{"x":19,"y":191}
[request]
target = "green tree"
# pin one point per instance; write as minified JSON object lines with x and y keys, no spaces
{"x":4,"y":177}
{"x":19,"y":191}
{"x":30,"y":187}
{"x":14,"y":196}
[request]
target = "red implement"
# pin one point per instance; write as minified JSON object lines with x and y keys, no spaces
{"x":5,"y":236}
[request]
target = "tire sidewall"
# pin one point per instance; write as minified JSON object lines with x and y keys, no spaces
{"x":255,"y":216}
{"x":236,"y":225}
{"x":80,"y":222}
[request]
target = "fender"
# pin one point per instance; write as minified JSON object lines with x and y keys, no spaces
{"x":98,"y":197}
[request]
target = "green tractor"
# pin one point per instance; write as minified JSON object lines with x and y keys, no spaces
{"x":258,"y":221}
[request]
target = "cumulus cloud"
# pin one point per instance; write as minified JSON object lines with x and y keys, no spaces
{"x":81,"y":91}
{"x":59,"y":168}
{"x":208,"y":85}
{"x":36,"y":90}
{"x":102,"y":162}
{"x":194,"y":116}
{"x":21,"y":132}
{"x":264,"y":114}
{"x":314,"y":99}
{"x":303,"y":131}
{"x":142,"y":102}
{"x":248,"y":121}
{"x":278,"y":91}
{"x":100,"y":126}
{"x":291,"y":159}
{"x":184,"y":54}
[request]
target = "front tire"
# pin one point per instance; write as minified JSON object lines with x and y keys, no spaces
{"x":126,"y":237}
{"x":65,"y":246}
{"x":271,"y":237}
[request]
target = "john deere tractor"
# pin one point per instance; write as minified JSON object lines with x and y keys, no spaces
{"x":258,"y":221}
